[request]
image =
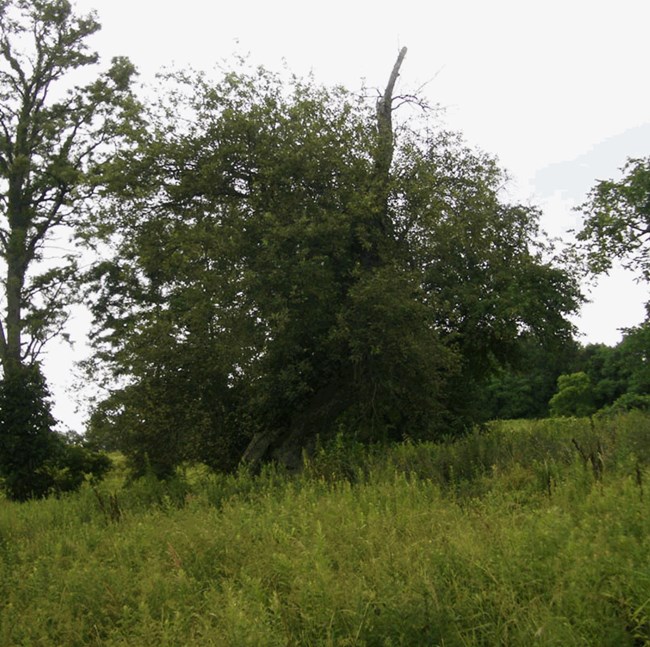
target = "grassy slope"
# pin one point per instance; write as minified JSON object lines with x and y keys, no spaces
{"x":509,"y":537}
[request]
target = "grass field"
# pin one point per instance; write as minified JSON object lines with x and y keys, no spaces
{"x":526,"y":533}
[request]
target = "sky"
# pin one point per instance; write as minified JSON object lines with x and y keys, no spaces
{"x":556,"y":90}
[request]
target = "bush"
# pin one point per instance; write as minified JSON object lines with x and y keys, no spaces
{"x":35,"y":460}
{"x":575,"y":396}
{"x":627,"y":402}
{"x":26,"y":436}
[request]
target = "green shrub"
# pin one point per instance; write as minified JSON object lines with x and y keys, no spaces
{"x":34,"y":459}
{"x":575,"y":396}
{"x":627,"y":402}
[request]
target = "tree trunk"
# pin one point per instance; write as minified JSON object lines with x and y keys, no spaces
{"x":12,"y":356}
{"x":379,"y":228}
{"x":385,"y":136}
{"x":16,"y":264}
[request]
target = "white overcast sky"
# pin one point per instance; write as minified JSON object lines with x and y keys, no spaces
{"x":557,"y":90}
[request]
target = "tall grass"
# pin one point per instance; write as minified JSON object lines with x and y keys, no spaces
{"x":511,"y":536}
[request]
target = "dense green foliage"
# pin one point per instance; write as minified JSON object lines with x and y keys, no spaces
{"x":613,"y":377}
{"x":530,"y":533}
{"x":575,"y":396}
{"x":272,"y":279}
{"x":34,"y":460}
{"x":607,"y":378}
{"x":523,"y":387}
{"x":26,"y":441}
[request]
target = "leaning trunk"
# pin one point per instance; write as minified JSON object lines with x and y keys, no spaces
{"x":385,"y":144}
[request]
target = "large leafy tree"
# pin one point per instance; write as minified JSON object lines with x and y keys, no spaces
{"x":616,"y":226}
{"x":290,"y":263}
{"x":54,"y":136}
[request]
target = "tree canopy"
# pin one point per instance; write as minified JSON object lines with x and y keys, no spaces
{"x":53,"y":139}
{"x":289,"y":263}
{"x":275,"y":263}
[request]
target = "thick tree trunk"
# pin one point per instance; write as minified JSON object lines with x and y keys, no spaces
{"x":15,"y":281}
{"x":16,"y":264}
{"x":16,"y":254}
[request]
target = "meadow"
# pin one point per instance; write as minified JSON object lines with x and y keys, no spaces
{"x":523,"y":533}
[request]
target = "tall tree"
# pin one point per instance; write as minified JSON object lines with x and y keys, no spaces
{"x":54,"y":136}
{"x":319,"y":269}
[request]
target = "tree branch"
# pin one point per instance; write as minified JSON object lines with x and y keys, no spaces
{"x":3,"y":343}
{"x":385,"y":103}
{"x":385,"y":147}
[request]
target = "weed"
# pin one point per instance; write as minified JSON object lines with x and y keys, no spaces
{"x":497,"y":538}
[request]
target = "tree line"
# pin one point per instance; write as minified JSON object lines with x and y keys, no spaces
{"x":274,"y":263}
